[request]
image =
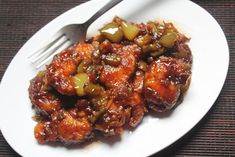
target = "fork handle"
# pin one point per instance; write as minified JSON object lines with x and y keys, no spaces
{"x":104,"y":9}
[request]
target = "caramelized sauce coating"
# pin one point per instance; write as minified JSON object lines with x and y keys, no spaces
{"x":44,"y":132}
{"x":102,"y":85}
{"x":114,"y":76}
{"x":163,"y":81}
{"x":42,"y":97}
{"x":112,"y":121}
{"x":64,"y":66}
{"x":64,"y":126}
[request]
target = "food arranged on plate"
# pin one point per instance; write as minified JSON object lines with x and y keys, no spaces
{"x":104,"y":84}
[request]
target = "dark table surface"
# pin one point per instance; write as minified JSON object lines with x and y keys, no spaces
{"x":213,"y":136}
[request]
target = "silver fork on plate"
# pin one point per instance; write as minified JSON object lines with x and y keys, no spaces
{"x":66,"y":37}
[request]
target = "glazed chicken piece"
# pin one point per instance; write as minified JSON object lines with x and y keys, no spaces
{"x":71,"y":126}
{"x":163,"y":82}
{"x":124,"y":107}
{"x":113,"y":76}
{"x":64,"y":65}
{"x":112,"y":121}
{"x":126,"y":96}
{"x":43,"y":98}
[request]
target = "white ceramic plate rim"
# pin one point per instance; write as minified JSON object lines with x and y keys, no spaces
{"x":208,"y":79}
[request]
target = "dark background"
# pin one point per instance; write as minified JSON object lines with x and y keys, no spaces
{"x":213,"y":136}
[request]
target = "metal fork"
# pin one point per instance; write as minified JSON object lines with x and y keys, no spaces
{"x":66,"y":37}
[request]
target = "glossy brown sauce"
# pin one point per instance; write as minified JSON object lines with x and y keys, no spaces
{"x":102,"y":85}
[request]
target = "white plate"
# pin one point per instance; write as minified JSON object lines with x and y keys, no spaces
{"x":210,"y":65}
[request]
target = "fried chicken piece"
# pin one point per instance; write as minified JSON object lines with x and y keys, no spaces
{"x":163,"y":81}
{"x":44,"y":132}
{"x":112,"y":121}
{"x":124,"y":107}
{"x":115,"y":115}
{"x":127,"y":97}
{"x":72,"y":126}
{"x":71,"y":129}
{"x":112,"y":76}
{"x":64,"y":65}
{"x":42,"y":97}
